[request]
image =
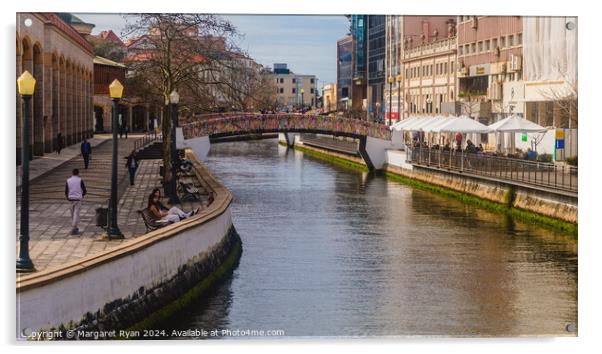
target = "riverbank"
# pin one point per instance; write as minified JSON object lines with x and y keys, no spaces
{"x":138,"y":282}
{"x":504,"y":203}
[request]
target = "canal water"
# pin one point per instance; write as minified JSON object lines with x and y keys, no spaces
{"x":329,"y":251}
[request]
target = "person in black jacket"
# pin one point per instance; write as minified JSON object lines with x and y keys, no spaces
{"x":86,"y":149}
{"x":132,"y":166}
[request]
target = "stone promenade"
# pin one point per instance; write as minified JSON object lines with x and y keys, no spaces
{"x":51,"y":243}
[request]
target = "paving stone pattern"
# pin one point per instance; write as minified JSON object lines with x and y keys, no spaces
{"x":51,"y":243}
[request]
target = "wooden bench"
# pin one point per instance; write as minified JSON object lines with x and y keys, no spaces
{"x":150,"y":221}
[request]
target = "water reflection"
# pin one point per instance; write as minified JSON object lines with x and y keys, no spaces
{"x":334,"y":252}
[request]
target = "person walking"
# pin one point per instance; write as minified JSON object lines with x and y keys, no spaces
{"x":132,"y":166}
{"x":86,"y":149}
{"x":75,"y":190}
{"x":126,"y":129}
{"x":60,"y":143}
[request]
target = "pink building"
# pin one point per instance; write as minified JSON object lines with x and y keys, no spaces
{"x":489,"y":57}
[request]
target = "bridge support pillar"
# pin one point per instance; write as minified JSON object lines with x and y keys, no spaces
{"x":374,"y":151}
{"x":290,"y":138}
{"x":200,"y":145}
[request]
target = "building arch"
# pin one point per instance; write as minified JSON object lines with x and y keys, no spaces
{"x":38,"y":100}
{"x":69,"y":68}
{"x":56,"y":94}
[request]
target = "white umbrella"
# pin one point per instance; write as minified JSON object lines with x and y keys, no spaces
{"x":439,"y":120}
{"x":516,"y":124}
{"x":399,"y":125}
{"x":417,"y":124}
{"x":462,"y":125}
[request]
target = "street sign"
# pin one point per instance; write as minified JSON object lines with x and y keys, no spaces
{"x":560,"y":144}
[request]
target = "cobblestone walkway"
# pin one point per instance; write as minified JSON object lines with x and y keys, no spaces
{"x":51,"y":243}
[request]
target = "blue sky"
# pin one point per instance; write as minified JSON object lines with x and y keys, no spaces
{"x":306,"y":43}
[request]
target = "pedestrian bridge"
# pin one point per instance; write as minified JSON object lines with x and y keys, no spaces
{"x":374,"y":138}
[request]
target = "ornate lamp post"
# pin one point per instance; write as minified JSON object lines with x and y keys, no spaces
{"x":302,"y":102}
{"x":174,"y":99}
{"x":115,"y":92}
{"x":27,"y":85}
{"x":390,"y":100}
{"x":398,"y":97}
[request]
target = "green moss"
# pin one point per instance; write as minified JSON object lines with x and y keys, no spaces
{"x":168,"y":311}
{"x":519,"y":214}
{"x":332,"y":159}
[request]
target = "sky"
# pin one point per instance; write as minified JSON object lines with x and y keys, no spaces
{"x":306,"y":43}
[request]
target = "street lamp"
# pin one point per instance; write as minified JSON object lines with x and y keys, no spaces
{"x":302,"y":102}
{"x":27,"y":85}
{"x":398,"y":97}
{"x":174,"y":99}
{"x":115,"y":92}
{"x":390,"y":99}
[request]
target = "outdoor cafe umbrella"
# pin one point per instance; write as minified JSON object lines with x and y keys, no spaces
{"x":461,"y":124}
{"x":437,"y":121}
{"x":417,"y":124}
{"x":402,"y":123}
{"x":515,"y":124}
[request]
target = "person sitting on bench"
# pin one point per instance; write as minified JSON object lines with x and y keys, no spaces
{"x":160,"y":212}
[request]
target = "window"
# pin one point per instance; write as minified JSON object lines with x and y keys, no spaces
{"x":311,"y":90}
{"x":480,"y":45}
{"x":311,"y":81}
{"x":519,"y":39}
{"x":294,"y":81}
{"x":487,"y":45}
{"x":461,"y":50}
{"x":473,"y":48}
{"x":445,"y":68}
{"x":502,"y":42}
{"x":281,"y":90}
{"x":510,"y":40}
{"x":452,"y":67}
{"x":494,"y":43}
{"x":294,"y":90}
{"x":431,"y":70}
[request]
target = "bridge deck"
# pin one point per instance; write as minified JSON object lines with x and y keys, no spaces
{"x":271,"y":123}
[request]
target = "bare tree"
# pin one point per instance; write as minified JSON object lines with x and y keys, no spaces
{"x":565,"y":98}
{"x":175,"y":50}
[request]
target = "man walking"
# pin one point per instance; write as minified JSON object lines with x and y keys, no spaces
{"x":132,"y":166}
{"x":86,"y":149}
{"x":75,"y":190}
{"x":60,"y":143}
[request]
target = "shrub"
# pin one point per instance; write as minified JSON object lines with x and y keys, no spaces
{"x":544,"y":158}
{"x":572,"y":161}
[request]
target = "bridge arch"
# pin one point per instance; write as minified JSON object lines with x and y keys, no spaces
{"x":374,"y":138}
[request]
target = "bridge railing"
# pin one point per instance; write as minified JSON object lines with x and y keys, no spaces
{"x":534,"y":173}
{"x":258,"y":123}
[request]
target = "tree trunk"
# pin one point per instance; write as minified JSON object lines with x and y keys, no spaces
{"x":166,"y":128}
